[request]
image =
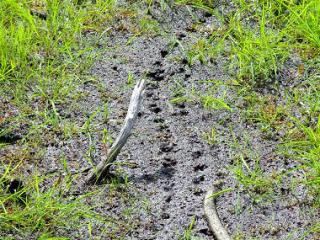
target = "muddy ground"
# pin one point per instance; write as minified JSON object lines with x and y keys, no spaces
{"x":174,"y":164}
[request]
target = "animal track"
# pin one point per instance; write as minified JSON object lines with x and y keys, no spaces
{"x":156,"y":74}
{"x":166,"y":147}
{"x":200,"y":167}
{"x":197,"y":154}
{"x":168,"y":162}
{"x":154,"y":108}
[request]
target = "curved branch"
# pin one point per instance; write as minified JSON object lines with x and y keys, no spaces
{"x":211,"y":214}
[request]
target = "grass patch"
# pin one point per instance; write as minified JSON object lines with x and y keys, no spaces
{"x":259,"y":42}
{"x":37,"y":208}
{"x":306,"y":149}
{"x":48,"y":47}
{"x":44,"y":59}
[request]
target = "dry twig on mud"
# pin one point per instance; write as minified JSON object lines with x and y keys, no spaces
{"x":211,"y":214}
{"x":102,"y":170}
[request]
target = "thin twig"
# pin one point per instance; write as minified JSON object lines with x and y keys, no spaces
{"x":103,"y":169}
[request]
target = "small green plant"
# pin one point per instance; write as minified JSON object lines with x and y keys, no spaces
{"x":106,"y":138}
{"x":256,"y":52}
{"x":179,"y":93}
{"x":199,"y":51}
{"x":130,"y":79}
{"x":148,"y":26}
{"x":188,"y":235}
{"x":106,"y":113}
{"x":210,"y":137}
{"x":214,"y":103}
{"x":254,"y":180}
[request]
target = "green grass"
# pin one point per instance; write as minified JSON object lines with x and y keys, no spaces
{"x":306,"y":148}
{"x":47,"y":48}
{"x":188,"y":232}
{"x":35,"y":209}
{"x":42,"y":60}
{"x":50,"y":206}
{"x":212,"y":96}
{"x":259,"y":42}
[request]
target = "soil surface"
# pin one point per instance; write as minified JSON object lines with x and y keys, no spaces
{"x":174,"y":164}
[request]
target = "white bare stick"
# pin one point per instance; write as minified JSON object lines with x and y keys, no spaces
{"x":102,"y":170}
{"x":211,"y":214}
